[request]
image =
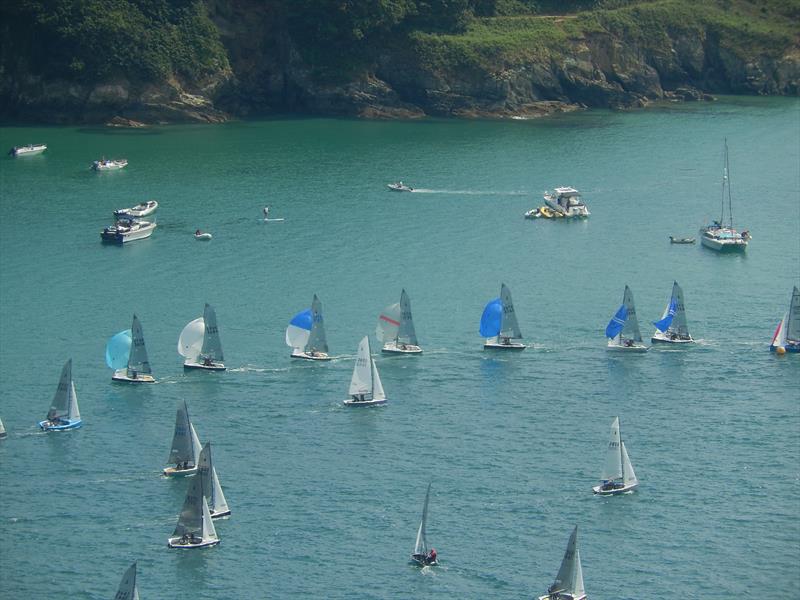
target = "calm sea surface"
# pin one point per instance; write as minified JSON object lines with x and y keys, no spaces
{"x":326,"y":501}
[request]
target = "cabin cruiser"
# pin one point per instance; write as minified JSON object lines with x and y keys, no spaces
{"x":27,"y":150}
{"x":109,"y":164}
{"x":140,"y":210}
{"x":400,"y":187}
{"x":567,"y":202}
{"x":127,"y":230}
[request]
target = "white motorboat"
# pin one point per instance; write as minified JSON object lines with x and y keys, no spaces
{"x":128,"y":590}
{"x":721,"y":235}
{"x":200,"y":343}
{"x":672,"y":327}
{"x":399,"y":187}
{"x":110,"y":164}
{"x":569,"y":581}
{"x":567,"y":202}
{"x":185,"y":450}
{"x":28,"y":150}
{"x":203,"y":236}
{"x":195,"y":529}
{"x":127,"y":355}
{"x":499,"y":323}
{"x":209,"y":483}
{"x":422,"y":556}
{"x":127,"y":230}
{"x":140,"y":210}
{"x":305,"y":334}
{"x":396,"y":328}
{"x":618,"y":475}
{"x":787,"y":334}
{"x":366,"y":388}
{"x":622,"y":330}
{"x":63,"y":413}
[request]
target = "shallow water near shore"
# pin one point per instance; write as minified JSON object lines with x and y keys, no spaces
{"x":326,"y":500}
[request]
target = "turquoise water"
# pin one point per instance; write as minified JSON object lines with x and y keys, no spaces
{"x":326,"y":501}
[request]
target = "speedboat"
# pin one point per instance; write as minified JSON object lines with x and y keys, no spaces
{"x":140,"y":210}
{"x":109,"y":164}
{"x":27,"y":150}
{"x":567,"y":202}
{"x":127,"y":230}
{"x":400,"y":187}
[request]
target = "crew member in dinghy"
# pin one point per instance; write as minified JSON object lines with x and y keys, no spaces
{"x":432,"y":555}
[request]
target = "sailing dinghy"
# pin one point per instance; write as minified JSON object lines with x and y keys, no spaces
{"x":396,"y":328}
{"x":569,"y":581}
{"x":128,"y":589}
{"x":618,"y":475}
{"x":200,"y":343}
{"x":185,"y":451}
{"x":305,"y":334}
{"x":422,"y":556}
{"x":63,"y":413}
{"x":787,"y":335}
{"x":195,"y":529}
{"x":365,"y":384}
{"x":672,"y":328}
{"x":212,"y":491}
{"x":3,"y":433}
{"x":127,"y":355}
{"x":623,"y":328}
{"x":499,"y":323}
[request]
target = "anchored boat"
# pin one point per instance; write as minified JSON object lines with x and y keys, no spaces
{"x":721,"y":235}
{"x":140,"y":210}
{"x":27,"y":150}
{"x":110,"y":164}
{"x":200,"y":343}
{"x":127,"y":230}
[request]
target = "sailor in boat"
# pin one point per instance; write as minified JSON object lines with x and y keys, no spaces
{"x":431,"y":558}
{"x":198,"y":232}
{"x":359,"y":397}
{"x":611,"y":485}
{"x":506,"y":341}
{"x":207,"y":361}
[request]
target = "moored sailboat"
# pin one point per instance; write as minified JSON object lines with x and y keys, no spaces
{"x":569,"y":580}
{"x":499,"y":323}
{"x":305,"y":334}
{"x":127,"y":355}
{"x":212,"y":490}
{"x":128,"y":590}
{"x":672,"y":327}
{"x":185,"y":450}
{"x":721,"y":235}
{"x":787,"y":334}
{"x":63,"y":413}
{"x":396,"y":328}
{"x":622,"y":330}
{"x":200,"y":343}
{"x":366,"y":388}
{"x":422,"y":556}
{"x":618,"y":475}
{"x":195,"y":529}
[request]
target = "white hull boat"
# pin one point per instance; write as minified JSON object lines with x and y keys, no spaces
{"x":297,"y":353}
{"x":395,"y":328}
{"x":126,"y":353}
{"x":28,"y":150}
{"x":503,"y":344}
{"x":195,"y":529}
{"x":203,"y":366}
{"x":787,"y":334}
{"x":399,"y":187}
{"x":124,"y":376}
{"x":110,"y":164}
{"x":64,"y":413}
{"x":305,"y":334}
{"x":499,"y":323}
{"x":142,"y":209}
{"x":202,"y":236}
{"x":672,"y":327}
{"x":622,"y":330}
{"x":200,"y":344}
{"x":366,"y":388}
{"x":618,"y":475}
{"x":185,"y":450}
{"x":567,"y":202}
{"x":394,"y":348}
{"x":178,"y":472}
{"x":125,"y":231}
{"x":720,"y":236}
{"x":569,"y":580}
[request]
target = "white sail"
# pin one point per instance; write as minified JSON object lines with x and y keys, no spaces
{"x":74,"y":413}
{"x":209,"y":531}
{"x":570,"y":576}
{"x":631,"y":329}
{"x":212,"y":345}
{"x":2,"y":429}
{"x":509,"y":328}
{"x":212,"y":491}
{"x":220,"y":503}
{"x":377,"y":386}
{"x":137,"y":360}
{"x":388,"y":323}
{"x":628,"y":474}
{"x":128,"y":590}
{"x":779,"y":341}
{"x":406,"y":333}
{"x":421,"y":545}
{"x":62,"y":400}
{"x":793,"y":318}
{"x":316,"y":339}
{"x":190,"y":341}
{"x":612,"y":470}
{"x":361,"y":381}
{"x":185,"y":444}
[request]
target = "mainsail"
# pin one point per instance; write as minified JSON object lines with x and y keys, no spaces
{"x":362,"y":380}
{"x":316,"y":339}
{"x":631,"y":328}
{"x":212,"y":491}
{"x":406,"y":333}
{"x":127,"y":587}
{"x":65,"y":400}
{"x":195,"y":518}
{"x":137,"y":361}
{"x":509,"y":327}
{"x":612,"y":470}
{"x":185,"y":443}
{"x":212,"y":345}
{"x":421,"y":546}
{"x":793,"y":318}
{"x":570,"y":576}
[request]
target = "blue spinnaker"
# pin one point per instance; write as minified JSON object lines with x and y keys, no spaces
{"x":617,"y":322}
{"x":118,"y":350}
{"x":302,"y":320}
{"x":492,"y":318}
{"x":663,"y":324}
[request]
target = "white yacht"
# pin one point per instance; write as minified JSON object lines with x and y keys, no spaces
{"x":110,"y":164}
{"x":127,"y":230}
{"x":27,"y":150}
{"x":566,"y":201}
{"x":140,"y":210}
{"x":720,"y":235}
